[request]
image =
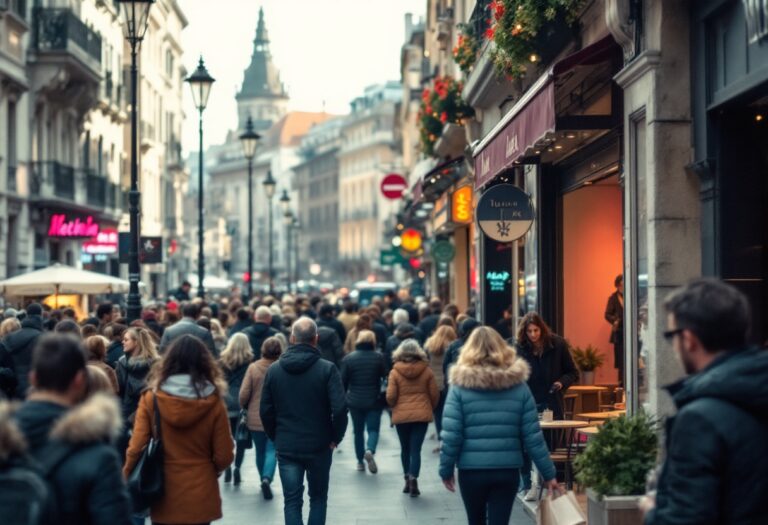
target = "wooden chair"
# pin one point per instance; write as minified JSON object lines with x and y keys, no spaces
{"x":569,"y":402}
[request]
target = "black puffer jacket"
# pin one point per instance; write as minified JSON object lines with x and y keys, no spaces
{"x":302,"y":403}
{"x":335,"y":325}
{"x":330,"y":346}
{"x":131,"y":380}
{"x":258,"y":333}
{"x":403,"y":331}
{"x":361,"y":373}
{"x":114,"y":353}
{"x":234,"y":381}
{"x":16,"y":352}
{"x":717,"y":445}
{"x":89,"y":482}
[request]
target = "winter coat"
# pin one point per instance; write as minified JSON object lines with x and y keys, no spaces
{"x":349,"y":320}
{"x":382,"y":333}
{"x":16,"y":352}
{"x":258,"y":333}
{"x":614,"y":311}
{"x":411,"y":390}
{"x":330,"y":346}
{"x":554,"y":364}
{"x":187,"y":326}
{"x":428,"y":325}
{"x":239,"y":326}
{"x":489,"y":419}
{"x":109,"y":371}
{"x":717,"y":445}
{"x":361,"y":374}
{"x":335,"y":325}
{"x":88,"y":484}
{"x":250,"y":392}
{"x":131,"y":381}
{"x":302,"y":403}
{"x":114,"y":352}
{"x":234,"y":381}
{"x":197,"y":445}
{"x":403,"y":331}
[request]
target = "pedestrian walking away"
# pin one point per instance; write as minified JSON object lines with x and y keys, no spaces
{"x":413,"y":395}
{"x":436,"y":347}
{"x":235,"y":360}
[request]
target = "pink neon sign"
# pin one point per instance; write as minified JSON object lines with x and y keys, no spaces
{"x":61,"y":227}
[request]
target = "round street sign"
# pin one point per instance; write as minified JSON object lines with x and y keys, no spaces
{"x":393,"y":186}
{"x":504,"y":213}
{"x":443,"y":251}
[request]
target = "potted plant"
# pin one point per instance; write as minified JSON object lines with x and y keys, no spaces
{"x":441,"y":105}
{"x":587,"y":360}
{"x":614,"y":467}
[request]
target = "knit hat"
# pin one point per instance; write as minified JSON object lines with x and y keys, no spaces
{"x":34,"y":309}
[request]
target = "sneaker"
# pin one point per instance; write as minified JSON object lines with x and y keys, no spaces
{"x":360,"y":467}
{"x":266,"y":490}
{"x":371,"y":462}
{"x":228,"y":475}
{"x":532,"y":494}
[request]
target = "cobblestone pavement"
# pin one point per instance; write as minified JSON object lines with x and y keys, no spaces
{"x":358,"y":498}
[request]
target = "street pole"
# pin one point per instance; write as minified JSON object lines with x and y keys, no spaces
{"x":288,"y":255}
{"x":134,"y":299}
{"x":200,"y":233}
{"x":271,"y":283}
{"x":250,"y":229}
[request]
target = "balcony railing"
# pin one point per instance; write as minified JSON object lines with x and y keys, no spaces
{"x":60,"y":177}
{"x":112,"y":190}
{"x":96,"y":190}
{"x":12,"y":185}
{"x":480,"y":18}
{"x":60,"y":29}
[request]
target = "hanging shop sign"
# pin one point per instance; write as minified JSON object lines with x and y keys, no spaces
{"x":756,"y":13}
{"x":393,"y":186}
{"x":505,"y":213}
{"x":443,"y":251}
{"x":410,"y":240}
{"x":461,"y":205}
{"x":150,"y":248}
{"x":78,"y":227}
{"x":105,"y":242}
{"x":390,"y":257}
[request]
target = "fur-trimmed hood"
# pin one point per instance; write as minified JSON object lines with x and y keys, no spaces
{"x":410,"y":352}
{"x":95,"y":420}
{"x":12,"y":442}
{"x":490,"y":377}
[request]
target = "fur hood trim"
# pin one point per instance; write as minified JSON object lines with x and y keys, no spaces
{"x":12,"y":441}
{"x":409,"y":350}
{"x":490,"y":377}
{"x":95,"y":420}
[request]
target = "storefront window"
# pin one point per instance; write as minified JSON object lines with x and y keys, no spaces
{"x":530,"y":300}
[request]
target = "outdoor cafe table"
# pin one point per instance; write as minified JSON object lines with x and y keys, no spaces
{"x":587,"y":397}
{"x":562,"y":435}
{"x":588,"y":431}
{"x":601,"y":416}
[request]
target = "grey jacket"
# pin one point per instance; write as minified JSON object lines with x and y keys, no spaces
{"x":187,"y":326}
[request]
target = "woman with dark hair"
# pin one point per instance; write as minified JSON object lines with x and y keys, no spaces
{"x":188,"y":391}
{"x":552,"y":372}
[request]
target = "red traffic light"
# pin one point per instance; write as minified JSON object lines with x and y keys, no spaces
{"x":246,"y":277}
{"x":415,"y":263}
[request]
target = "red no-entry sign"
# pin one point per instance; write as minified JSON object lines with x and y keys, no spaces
{"x":393,"y":186}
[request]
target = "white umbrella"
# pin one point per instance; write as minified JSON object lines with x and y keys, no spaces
{"x":61,"y":279}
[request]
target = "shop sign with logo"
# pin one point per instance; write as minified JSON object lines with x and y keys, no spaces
{"x":105,"y":242}
{"x":756,"y":14}
{"x":390,"y":257}
{"x":443,"y":251}
{"x":62,"y":227}
{"x":150,"y":248}
{"x":461,"y":205}
{"x":504,"y":213}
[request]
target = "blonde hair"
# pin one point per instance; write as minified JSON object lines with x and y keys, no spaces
{"x":485,"y":347}
{"x":97,"y":381}
{"x":146,"y":347}
{"x":438,"y":342}
{"x":365,"y":336}
{"x":216,"y":329}
{"x":8,"y":326}
{"x":237,"y":352}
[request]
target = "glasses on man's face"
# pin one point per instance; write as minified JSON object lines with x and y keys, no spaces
{"x":670,"y":334}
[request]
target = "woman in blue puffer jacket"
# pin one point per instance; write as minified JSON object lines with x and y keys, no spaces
{"x":489,"y":418}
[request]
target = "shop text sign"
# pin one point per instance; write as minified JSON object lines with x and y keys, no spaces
{"x":461,"y":205}
{"x":505,"y":213}
{"x":105,"y":242}
{"x":77,"y":227}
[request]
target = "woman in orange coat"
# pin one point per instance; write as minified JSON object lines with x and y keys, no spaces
{"x":195,"y":431}
{"x":413,"y":395}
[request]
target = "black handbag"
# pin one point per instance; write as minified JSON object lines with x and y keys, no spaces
{"x":242,"y":434}
{"x":146,"y":481}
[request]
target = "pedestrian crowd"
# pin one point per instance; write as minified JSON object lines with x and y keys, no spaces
{"x":192,"y":386}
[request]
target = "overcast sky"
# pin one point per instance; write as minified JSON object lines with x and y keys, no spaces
{"x":326,"y":51}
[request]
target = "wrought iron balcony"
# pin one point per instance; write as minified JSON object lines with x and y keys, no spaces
{"x":61,"y":30}
{"x":53,"y":175}
{"x":12,"y":185}
{"x":18,"y":7}
{"x":112,"y":198}
{"x":96,"y":189}
{"x":480,"y":18}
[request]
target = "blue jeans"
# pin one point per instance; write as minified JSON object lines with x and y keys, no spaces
{"x":411,"y":437}
{"x":363,"y":420}
{"x":318,"y":470}
{"x":266,"y":461}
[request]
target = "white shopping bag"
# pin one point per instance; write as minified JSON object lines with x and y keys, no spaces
{"x":563,"y":510}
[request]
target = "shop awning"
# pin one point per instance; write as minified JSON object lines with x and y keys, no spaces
{"x":534,"y":118}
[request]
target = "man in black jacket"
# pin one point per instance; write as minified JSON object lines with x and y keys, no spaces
{"x":330,"y":346}
{"x":71,"y":436}
{"x":304,"y":414}
{"x":188,"y":326}
{"x":16,"y":352}
{"x":260,"y":330}
{"x":429,"y":323}
{"x":717,"y":444}
{"x":327,"y":317}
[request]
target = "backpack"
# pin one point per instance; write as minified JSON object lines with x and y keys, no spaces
{"x":28,"y":496}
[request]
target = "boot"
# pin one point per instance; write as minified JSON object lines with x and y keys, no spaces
{"x":228,"y":475}
{"x":414,"y":488}
{"x":407,"y":488}
{"x":236,"y":476}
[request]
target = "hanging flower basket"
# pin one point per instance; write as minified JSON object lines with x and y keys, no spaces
{"x":441,"y":105}
{"x":467,"y":48}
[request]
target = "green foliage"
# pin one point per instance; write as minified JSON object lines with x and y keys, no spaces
{"x":587,"y":359}
{"x":466,"y":49}
{"x":440,"y":105}
{"x":618,"y":458}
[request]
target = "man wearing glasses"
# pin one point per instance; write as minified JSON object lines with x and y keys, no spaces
{"x":716,"y":468}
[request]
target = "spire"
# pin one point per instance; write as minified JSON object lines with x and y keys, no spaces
{"x":262,"y":38}
{"x":262,"y":78}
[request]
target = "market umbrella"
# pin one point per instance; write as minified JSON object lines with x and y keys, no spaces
{"x":61,"y":279}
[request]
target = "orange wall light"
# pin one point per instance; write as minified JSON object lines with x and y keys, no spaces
{"x":411,"y":240}
{"x":461,"y":205}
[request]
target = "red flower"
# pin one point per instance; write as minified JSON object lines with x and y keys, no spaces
{"x":428,"y":110}
{"x":425,"y":95}
{"x":497,"y":8}
{"x":489,"y":32}
{"x":444,"y":117}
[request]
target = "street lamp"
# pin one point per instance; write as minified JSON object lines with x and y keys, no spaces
{"x":250,"y":139}
{"x":269,"y":190}
{"x":136,"y":23}
{"x":200,"y":82}
{"x":288,"y":221}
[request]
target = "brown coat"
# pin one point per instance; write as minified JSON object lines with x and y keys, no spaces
{"x":197,"y":444}
{"x":412,"y":392}
{"x":104,"y":367}
{"x":250,"y":392}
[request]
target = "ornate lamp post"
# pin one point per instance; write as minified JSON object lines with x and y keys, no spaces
{"x":269,"y":190}
{"x":200,"y":82}
{"x":250,"y":139}
{"x":136,"y":23}
{"x":295,"y":225}
{"x":285,"y":205}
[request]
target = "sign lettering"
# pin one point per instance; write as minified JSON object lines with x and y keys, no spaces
{"x":461,"y":205}
{"x":61,"y":227}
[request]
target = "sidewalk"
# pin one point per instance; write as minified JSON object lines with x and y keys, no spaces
{"x":358,"y":498}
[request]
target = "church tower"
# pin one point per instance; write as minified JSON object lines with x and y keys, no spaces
{"x":262,"y":95}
